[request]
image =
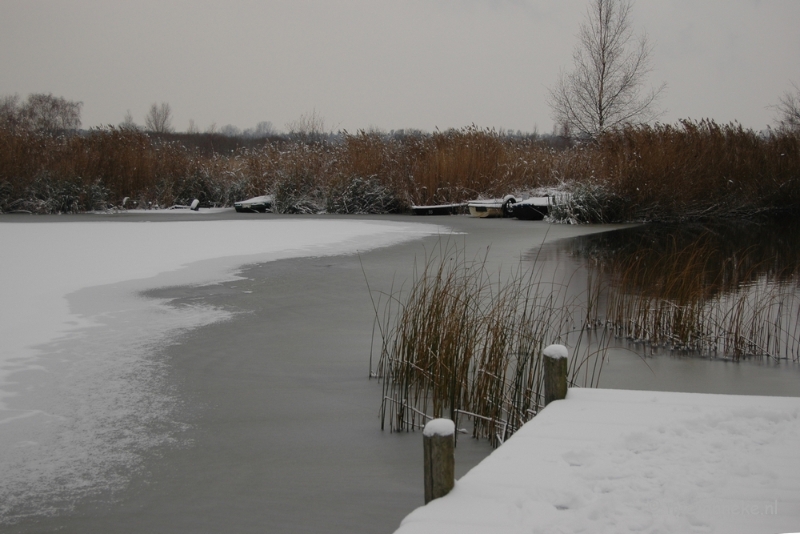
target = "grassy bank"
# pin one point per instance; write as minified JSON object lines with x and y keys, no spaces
{"x":690,"y":170}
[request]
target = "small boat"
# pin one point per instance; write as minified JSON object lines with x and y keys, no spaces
{"x":440,"y":209}
{"x":195,"y":205}
{"x":260,"y":204}
{"x":497,"y":207}
{"x":532,"y":209}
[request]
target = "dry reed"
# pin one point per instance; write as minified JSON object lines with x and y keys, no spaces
{"x":690,"y":170}
{"x":705,"y":296}
{"x":463,"y":344}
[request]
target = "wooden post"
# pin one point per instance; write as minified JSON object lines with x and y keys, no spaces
{"x":438,"y":439}
{"x":555,"y":373}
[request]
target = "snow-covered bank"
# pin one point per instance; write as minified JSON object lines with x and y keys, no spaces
{"x":633,"y":461}
{"x":79,"y":386}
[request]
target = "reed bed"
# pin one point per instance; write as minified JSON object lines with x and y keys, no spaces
{"x":466,"y":344}
{"x":755,"y":320}
{"x":704,"y":296}
{"x":690,"y":170}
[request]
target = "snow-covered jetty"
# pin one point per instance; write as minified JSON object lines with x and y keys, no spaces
{"x":634,"y":461}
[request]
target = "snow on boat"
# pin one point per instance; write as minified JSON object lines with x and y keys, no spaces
{"x":260,"y":204}
{"x":195,"y":206}
{"x":440,"y":209}
{"x":497,"y":207}
{"x":532,"y":209}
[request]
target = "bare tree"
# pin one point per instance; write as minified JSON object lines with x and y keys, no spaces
{"x":264,"y":129}
{"x":9,"y":112}
{"x":40,"y":112}
{"x":229,"y":130}
{"x":128,"y":123}
{"x":159,"y":118}
{"x":605,"y":89}
{"x":310,"y":126}
{"x":788,"y":109}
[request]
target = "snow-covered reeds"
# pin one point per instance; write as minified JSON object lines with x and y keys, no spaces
{"x":464,"y":343}
{"x":689,"y":170}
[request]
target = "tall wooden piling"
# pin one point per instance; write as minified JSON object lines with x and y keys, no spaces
{"x":555,"y":373}
{"x":438,"y":440}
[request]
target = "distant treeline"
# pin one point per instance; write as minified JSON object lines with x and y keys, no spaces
{"x":689,"y":170}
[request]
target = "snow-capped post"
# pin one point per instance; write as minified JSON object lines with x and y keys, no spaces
{"x":555,"y":373}
{"x":438,"y":439}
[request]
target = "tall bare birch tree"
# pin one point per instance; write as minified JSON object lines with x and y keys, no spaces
{"x":606,"y":88}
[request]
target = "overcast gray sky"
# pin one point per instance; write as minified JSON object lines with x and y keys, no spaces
{"x":381,"y":64}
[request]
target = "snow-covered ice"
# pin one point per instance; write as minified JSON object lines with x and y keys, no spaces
{"x":80,"y":390}
{"x":45,"y":262}
{"x":612,"y":461}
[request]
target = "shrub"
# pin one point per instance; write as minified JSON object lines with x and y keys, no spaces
{"x":45,"y":195}
{"x":297,"y":194}
{"x":362,"y":195}
{"x":587,"y":203}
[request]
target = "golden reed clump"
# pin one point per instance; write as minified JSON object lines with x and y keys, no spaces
{"x":462,"y":343}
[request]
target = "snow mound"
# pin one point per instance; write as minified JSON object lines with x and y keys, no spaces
{"x":556,"y":351}
{"x":439,"y":427}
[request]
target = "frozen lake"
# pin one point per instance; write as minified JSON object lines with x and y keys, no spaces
{"x":218,"y":402}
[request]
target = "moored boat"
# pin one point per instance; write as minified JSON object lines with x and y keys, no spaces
{"x":440,"y":209}
{"x":497,"y":207}
{"x":260,"y":204}
{"x":532,"y":209}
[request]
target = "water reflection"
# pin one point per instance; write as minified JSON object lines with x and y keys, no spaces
{"x":716,"y":256}
{"x":724,"y":290}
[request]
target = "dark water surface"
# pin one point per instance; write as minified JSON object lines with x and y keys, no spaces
{"x":283,"y":429}
{"x":720,"y":258}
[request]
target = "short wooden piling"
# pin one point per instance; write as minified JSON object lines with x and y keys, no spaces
{"x":438,"y":438}
{"x":555,"y":373}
